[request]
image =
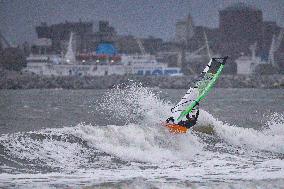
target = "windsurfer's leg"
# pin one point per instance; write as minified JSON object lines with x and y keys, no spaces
{"x":188,"y":124}
{"x":182,"y":123}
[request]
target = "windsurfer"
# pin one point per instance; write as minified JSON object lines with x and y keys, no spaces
{"x":185,"y":113}
{"x":191,"y":119}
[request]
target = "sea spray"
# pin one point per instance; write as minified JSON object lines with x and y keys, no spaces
{"x":133,"y":103}
{"x":88,"y":154}
{"x":270,"y":139}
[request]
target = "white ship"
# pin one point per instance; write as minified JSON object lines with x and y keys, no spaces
{"x":138,"y":64}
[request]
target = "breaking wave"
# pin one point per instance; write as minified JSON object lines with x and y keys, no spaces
{"x":270,"y":138}
{"x":141,"y":147}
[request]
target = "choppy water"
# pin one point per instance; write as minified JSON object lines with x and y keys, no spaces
{"x":99,"y":138}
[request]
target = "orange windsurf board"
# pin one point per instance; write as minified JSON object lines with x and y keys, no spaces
{"x":174,"y":128}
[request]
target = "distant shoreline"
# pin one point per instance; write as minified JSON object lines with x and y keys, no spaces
{"x":17,"y":80}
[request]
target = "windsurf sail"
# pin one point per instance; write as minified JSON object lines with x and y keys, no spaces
{"x":199,"y":91}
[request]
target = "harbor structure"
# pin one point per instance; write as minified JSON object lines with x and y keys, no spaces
{"x":257,"y":65}
{"x":85,"y":37}
{"x":241,"y":26}
{"x":104,"y":61}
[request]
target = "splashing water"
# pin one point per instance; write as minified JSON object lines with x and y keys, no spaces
{"x":133,"y":102}
{"x":269,"y":139}
{"x":143,"y":148}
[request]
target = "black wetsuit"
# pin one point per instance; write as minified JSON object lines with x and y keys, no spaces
{"x":189,"y":122}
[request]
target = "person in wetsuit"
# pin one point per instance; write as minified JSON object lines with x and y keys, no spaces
{"x":190,"y":122}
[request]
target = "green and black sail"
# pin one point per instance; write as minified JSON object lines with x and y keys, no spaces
{"x":201,"y":88}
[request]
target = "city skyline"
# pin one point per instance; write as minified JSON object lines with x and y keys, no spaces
{"x":140,"y":18}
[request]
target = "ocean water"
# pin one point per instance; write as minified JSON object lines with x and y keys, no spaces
{"x":113,"y":138}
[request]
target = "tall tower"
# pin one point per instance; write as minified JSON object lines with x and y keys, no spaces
{"x":189,"y":28}
{"x":184,"y":30}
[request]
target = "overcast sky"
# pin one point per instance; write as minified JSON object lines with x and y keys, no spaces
{"x":137,"y":17}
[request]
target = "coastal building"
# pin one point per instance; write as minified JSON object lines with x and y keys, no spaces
{"x":59,"y":34}
{"x":88,"y":35}
{"x":241,"y":23}
{"x":257,"y":64}
{"x":246,"y":64}
{"x":104,"y":61}
{"x":152,"y":44}
{"x":106,"y":33}
{"x":85,"y":38}
{"x":127,"y":44}
{"x":42,"y":46}
{"x":184,"y":30}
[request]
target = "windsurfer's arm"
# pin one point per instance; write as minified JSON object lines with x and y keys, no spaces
{"x":197,"y":105}
{"x":196,"y":110}
{"x":197,"y":114}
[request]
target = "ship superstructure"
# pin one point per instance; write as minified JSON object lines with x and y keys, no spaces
{"x":105,"y":61}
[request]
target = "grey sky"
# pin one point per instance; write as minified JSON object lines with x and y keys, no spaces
{"x":137,"y":17}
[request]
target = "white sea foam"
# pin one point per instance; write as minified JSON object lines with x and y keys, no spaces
{"x":45,"y":151}
{"x":271,"y":138}
{"x":147,"y":149}
{"x":141,"y":143}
